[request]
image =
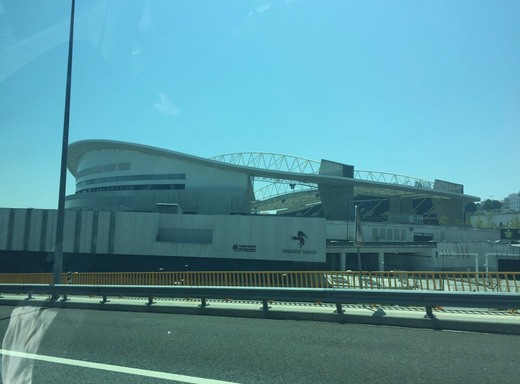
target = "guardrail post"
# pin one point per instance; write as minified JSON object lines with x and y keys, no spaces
{"x":429,"y":313}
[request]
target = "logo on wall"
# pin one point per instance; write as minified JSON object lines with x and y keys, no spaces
{"x":512,"y":234}
{"x":300,"y":241}
{"x":244,"y":248}
{"x":300,"y":238}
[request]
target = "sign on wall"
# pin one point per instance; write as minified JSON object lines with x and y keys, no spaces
{"x":270,"y":238}
{"x":512,"y":234}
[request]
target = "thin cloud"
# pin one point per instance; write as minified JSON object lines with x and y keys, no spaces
{"x":166,"y":105}
{"x":146,"y":18}
{"x":263,"y":8}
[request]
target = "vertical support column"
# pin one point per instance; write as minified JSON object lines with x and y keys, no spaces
{"x":343,"y":261}
{"x":381,"y":261}
{"x":429,"y":314}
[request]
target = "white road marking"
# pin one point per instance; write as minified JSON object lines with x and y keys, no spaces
{"x":114,"y":368}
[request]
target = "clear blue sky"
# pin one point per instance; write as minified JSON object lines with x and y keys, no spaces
{"x":429,"y":89}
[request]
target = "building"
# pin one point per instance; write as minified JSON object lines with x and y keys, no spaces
{"x":512,"y":202}
{"x":143,"y":208}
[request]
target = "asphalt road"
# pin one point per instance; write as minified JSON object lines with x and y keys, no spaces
{"x":241,"y":350}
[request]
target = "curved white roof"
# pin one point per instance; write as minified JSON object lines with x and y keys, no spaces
{"x":362,"y":187}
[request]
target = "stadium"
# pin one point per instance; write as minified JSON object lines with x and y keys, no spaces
{"x":142,"y":208}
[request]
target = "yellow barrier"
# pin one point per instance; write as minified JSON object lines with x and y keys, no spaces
{"x":436,"y":281}
{"x":25,"y":278}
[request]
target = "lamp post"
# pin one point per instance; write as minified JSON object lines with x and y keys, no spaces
{"x":346,"y":212}
{"x":58,"y":250}
{"x":358,"y":242}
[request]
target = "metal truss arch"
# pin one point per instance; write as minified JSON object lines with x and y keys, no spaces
{"x":271,"y":161}
{"x":288,"y":193}
{"x":391,"y":178}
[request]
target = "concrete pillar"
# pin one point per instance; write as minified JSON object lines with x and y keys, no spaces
{"x":381,"y":261}
{"x":395,"y":204}
{"x":332,"y":261}
{"x":337,"y":200}
{"x":342,"y":261}
{"x":406,"y":205}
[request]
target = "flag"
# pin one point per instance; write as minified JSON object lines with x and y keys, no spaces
{"x":358,"y":236}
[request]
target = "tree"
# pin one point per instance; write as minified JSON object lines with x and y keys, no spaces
{"x":479,"y":223}
{"x":491,"y":205}
{"x":515,"y":222}
{"x":470,"y":207}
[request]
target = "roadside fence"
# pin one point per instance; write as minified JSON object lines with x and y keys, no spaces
{"x":385,"y":280}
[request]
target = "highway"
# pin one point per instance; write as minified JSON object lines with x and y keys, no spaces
{"x":104,"y":347}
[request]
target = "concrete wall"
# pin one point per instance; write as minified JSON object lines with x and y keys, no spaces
{"x":493,"y":220}
{"x":337,"y":201}
{"x":388,"y":232}
{"x":148,"y":233}
{"x":449,"y":212}
{"x":245,"y":237}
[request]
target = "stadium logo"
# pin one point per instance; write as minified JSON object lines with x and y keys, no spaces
{"x":300,"y":238}
{"x":300,"y":241}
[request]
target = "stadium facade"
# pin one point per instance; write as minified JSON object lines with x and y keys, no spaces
{"x":144,"y":208}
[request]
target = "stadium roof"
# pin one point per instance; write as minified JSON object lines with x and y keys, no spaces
{"x":284,"y":180}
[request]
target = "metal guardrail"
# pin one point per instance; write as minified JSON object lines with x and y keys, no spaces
{"x":326,"y":295}
{"x":409,"y":280}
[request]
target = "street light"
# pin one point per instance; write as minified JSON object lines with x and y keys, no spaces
{"x":346,"y":210}
{"x":60,"y":221}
